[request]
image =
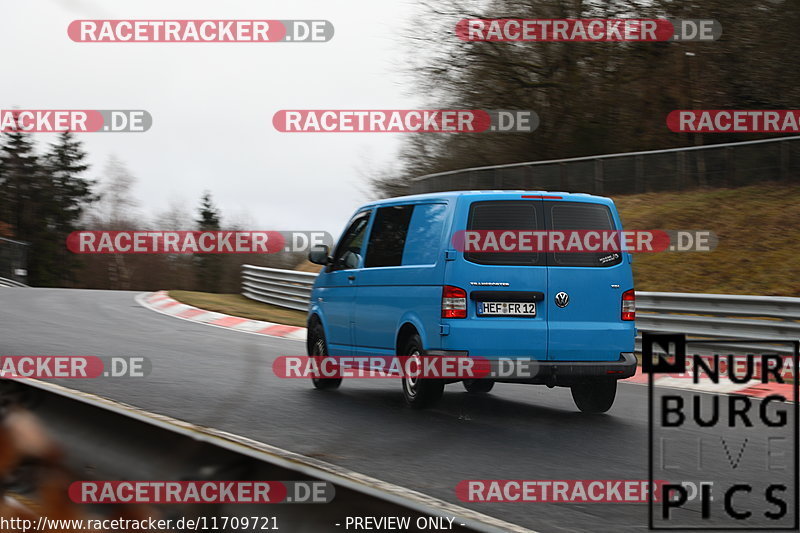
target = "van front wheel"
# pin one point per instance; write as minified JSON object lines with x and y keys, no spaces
{"x":420,"y":392}
{"x":318,"y":350}
{"x":595,"y":396}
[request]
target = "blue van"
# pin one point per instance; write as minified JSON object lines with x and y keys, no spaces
{"x":396,"y":284}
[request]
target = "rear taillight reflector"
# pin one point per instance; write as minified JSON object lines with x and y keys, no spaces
{"x":629,"y":305}
{"x":454,"y":302}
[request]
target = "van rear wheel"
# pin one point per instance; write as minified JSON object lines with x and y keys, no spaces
{"x":318,"y":349}
{"x":420,"y":392}
{"x":595,"y":396}
{"x":478,"y":386}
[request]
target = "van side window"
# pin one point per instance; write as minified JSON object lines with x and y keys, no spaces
{"x":348,"y":251}
{"x":388,"y":236}
{"x":581,"y":216}
{"x":424,"y":234}
{"x":505,"y":215}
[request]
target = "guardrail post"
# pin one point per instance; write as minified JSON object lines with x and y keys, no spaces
{"x":598,"y":176}
{"x":497,"y":179}
{"x":681,"y":178}
{"x":784,"y":161}
{"x":700,"y":161}
{"x":639,"y":184}
{"x":730,"y":168}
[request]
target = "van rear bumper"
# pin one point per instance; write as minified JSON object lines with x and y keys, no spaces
{"x":565,"y":373}
{"x":554,"y":373}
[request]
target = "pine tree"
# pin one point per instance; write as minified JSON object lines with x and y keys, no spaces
{"x":41,"y":199}
{"x":20,"y":170}
{"x":23,"y":182}
{"x":68,"y":195}
{"x":209,"y":215}
{"x":208,"y":266}
{"x":71,"y":192}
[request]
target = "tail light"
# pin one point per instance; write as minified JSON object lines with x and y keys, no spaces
{"x":629,"y":305}
{"x":454,"y":302}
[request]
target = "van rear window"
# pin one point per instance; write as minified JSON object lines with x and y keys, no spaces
{"x":580,"y":216}
{"x":526,"y":215}
{"x":505,"y":215}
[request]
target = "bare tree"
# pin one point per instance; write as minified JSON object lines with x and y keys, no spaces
{"x":591,"y":97}
{"x":116,"y":208}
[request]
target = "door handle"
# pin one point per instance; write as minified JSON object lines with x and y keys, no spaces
{"x":351,"y":278}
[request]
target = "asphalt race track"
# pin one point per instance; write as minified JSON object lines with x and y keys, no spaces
{"x":223,"y":379}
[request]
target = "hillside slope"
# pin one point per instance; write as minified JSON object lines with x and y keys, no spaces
{"x":758,"y":228}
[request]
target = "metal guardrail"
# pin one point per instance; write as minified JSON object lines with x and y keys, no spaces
{"x":5,"y":282}
{"x":764,"y":317}
{"x":285,"y":288}
{"x":722,"y":315}
{"x":717,"y":315}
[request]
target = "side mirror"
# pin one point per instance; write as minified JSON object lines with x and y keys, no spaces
{"x":320,"y":256}
{"x":351,"y":260}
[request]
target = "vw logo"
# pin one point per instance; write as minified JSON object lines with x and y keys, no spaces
{"x":562,"y":299}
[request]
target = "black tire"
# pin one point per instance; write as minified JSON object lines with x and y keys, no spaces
{"x":420,"y":392}
{"x":478,"y":386}
{"x":318,"y":348}
{"x":595,"y":396}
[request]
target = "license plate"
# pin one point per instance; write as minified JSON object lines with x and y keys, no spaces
{"x":507,"y":308}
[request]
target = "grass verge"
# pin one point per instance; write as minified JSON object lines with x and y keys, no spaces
{"x":238,"y":305}
{"x":758,"y":228}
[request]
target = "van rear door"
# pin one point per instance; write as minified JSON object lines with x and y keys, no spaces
{"x":586,"y":325}
{"x":506,"y":312}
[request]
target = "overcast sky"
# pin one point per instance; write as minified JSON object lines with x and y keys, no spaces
{"x":212,"y":104}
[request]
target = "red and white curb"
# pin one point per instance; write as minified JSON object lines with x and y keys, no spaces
{"x":162,"y":303}
{"x":753,"y":388}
